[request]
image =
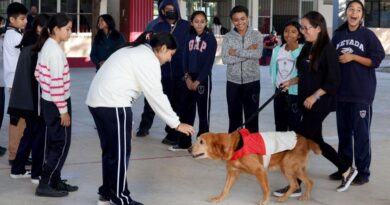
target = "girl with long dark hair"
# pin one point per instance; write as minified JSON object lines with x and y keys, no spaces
{"x":53,"y":75}
{"x":359,"y":53}
{"x":106,"y":41}
{"x":127,"y":73}
{"x":199,"y":55}
{"x":318,"y":82}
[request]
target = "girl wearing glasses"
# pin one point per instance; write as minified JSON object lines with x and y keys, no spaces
{"x":318,"y":81}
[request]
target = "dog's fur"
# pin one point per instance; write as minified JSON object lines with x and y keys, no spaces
{"x":292,"y":163}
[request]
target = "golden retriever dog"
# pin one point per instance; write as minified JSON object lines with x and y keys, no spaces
{"x":292,"y":163}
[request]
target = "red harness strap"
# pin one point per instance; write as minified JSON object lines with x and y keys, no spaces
{"x":253,"y":144}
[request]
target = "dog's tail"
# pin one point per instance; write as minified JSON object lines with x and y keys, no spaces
{"x":314,"y":146}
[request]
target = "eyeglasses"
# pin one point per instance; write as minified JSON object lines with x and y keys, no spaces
{"x":305,"y":29}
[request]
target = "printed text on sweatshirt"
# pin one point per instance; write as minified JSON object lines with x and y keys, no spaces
{"x":52,"y":73}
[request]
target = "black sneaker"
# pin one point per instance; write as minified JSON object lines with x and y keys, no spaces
{"x":336,"y":176}
{"x":346,"y":181}
{"x":142,"y":133}
{"x":61,"y":185}
{"x":360,"y":180}
{"x":103,"y":200}
{"x":282,"y":191}
{"x":3,"y":150}
{"x":48,"y":191}
{"x":168,"y":142}
{"x":135,"y":203}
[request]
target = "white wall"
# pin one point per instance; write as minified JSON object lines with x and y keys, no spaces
{"x":327,"y":11}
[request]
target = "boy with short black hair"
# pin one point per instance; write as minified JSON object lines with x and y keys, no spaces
{"x":16,"y":16}
{"x":241,"y":50}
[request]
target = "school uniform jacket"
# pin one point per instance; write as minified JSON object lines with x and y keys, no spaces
{"x":244,"y":67}
{"x":358,"y":82}
{"x":124,"y":76}
{"x":199,"y":55}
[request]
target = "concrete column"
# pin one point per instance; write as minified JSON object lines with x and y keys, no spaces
{"x":255,"y":13}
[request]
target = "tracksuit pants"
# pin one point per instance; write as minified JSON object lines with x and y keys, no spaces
{"x":114,"y":126}
{"x":199,"y":99}
{"x":33,"y":140}
{"x":353,"y":127}
{"x":243,"y":101}
{"x":57,"y":142}
{"x":287,"y":112}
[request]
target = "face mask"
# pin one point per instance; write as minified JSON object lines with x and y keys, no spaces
{"x":171,"y":15}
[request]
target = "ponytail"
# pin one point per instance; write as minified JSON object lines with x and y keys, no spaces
{"x":155,"y":40}
{"x":59,"y":20}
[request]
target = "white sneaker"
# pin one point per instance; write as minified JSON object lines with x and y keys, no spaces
{"x":35,"y":180}
{"x":176,"y":148}
{"x":103,"y":201}
{"x":26,"y":174}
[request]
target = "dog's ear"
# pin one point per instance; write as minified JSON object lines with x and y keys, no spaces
{"x":222,"y":147}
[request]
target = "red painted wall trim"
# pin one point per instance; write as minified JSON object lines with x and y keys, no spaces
{"x":80,"y":62}
{"x":140,"y":13}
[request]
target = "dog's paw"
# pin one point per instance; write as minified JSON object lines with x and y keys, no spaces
{"x":216,"y":199}
{"x":263,"y":202}
{"x":304,"y":197}
{"x":282,"y":198}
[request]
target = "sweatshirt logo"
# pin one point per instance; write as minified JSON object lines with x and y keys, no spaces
{"x":197,"y":45}
{"x":347,"y":50}
{"x":350,"y":42}
{"x":363,"y":113}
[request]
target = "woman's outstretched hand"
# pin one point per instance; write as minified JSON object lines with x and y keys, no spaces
{"x":186,"y":129}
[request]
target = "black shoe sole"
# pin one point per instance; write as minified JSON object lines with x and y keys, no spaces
{"x":42,"y":194}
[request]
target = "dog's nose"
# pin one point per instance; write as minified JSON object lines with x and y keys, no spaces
{"x":190,"y":150}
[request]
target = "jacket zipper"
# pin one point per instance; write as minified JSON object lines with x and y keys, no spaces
{"x":243,"y":41}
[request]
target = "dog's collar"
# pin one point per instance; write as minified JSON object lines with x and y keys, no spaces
{"x":240,"y":143}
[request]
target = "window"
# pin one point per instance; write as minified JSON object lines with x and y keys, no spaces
{"x":264,"y":16}
{"x":81,"y":13}
{"x":377,"y":13}
{"x":3,"y":8}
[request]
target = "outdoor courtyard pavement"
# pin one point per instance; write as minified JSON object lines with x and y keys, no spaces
{"x":159,"y":177}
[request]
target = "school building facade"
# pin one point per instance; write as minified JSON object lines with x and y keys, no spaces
{"x":131,"y":16}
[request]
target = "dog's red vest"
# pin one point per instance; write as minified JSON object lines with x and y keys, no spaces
{"x":253,"y":144}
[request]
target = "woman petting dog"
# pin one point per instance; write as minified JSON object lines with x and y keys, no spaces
{"x":127,"y":73}
{"x":318,"y":81}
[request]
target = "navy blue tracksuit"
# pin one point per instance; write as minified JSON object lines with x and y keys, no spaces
{"x":57,"y":142}
{"x":199,"y":55}
{"x":114,"y":126}
{"x":355,"y":96}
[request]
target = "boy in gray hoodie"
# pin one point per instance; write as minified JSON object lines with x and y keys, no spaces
{"x":241,"y":50}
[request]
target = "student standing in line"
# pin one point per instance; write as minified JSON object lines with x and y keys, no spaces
{"x":283,"y":68}
{"x":24,"y":103}
{"x":241,"y":50}
{"x":173,"y":72}
{"x":130,"y":71}
{"x":3,"y":150}
{"x":106,"y":41}
{"x":199,"y":55}
{"x":359,"y":53}
{"x":147,"y":115}
{"x":17,"y":19}
{"x":53,"y":75}
{"x":318,"y":81}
